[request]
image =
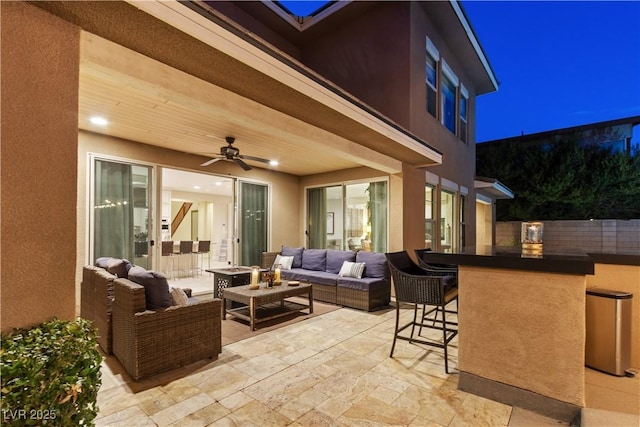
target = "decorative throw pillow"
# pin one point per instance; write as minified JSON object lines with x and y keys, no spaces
{"x":352,"y":269}
{"x":285,"y":262}
{"x":179,"y":297}
{"x":156,"y":288}
{"x":335,"y":259}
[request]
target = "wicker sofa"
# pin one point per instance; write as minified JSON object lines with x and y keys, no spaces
{"x":322,"y":268}
{"x":148,"y":342}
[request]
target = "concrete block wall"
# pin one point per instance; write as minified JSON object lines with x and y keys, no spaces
{"x":580,"y":236}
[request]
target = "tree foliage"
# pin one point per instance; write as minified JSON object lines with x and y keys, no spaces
{"x":563,"y":180}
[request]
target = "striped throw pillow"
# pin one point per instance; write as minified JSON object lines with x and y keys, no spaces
{"x":352,"y":269}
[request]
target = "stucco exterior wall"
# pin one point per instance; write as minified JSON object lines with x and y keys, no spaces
{"x":380,"y":58}
{"x":39,"y":150}
{"x":366,"y":57}
{"x":526,"y":329}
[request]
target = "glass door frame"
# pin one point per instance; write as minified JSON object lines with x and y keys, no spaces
{"x":237,"y":226}
{"x":232,"y":217}
{"x":92,"y":158}
{"x":344,"y":185}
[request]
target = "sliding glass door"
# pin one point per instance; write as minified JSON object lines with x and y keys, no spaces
{"x":317,"y":218}
{"x":120,"y":221}
{"x":348,"y":216}
{"x":253,"y":216}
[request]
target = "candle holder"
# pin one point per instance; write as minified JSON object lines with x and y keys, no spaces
{"x":255,"y":277}
{"x":277,"y":280}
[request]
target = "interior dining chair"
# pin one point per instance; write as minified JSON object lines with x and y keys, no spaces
{"x":431,"y":293}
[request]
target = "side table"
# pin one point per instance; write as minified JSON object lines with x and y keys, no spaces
{"x":229,"y":277}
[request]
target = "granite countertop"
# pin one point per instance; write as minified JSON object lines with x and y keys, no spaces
{"x":566,"y":261}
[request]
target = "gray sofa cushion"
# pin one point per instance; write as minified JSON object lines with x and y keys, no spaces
{"x":365,"y":284}
{"x":296,"y":253}
{"x":318,"y":277}
{"x":103,"y":262}
{"x":156,"y":288}
{"x":375,"y":263}
{"x":336,"y":258}
{"x":314,"y":259}
{"x":119,"y":267}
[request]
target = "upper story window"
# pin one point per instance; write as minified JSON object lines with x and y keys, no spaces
{"x":448,"y":90}
{"x":464,"y":105}
{"x":433,"y":56}
{"x":447,"y":98}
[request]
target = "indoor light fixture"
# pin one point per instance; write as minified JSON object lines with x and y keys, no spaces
{"x":100,"y":121}
{"x":273,"y":162}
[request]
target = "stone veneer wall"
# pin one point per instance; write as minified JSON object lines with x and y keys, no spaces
{"x":586,"y":236}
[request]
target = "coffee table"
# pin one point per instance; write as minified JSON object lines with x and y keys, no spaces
{"x":265,"y":303}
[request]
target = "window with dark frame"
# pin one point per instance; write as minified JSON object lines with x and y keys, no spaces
{"x":432,"y":84}
{"x":448,"y":104}
{"x":464,"y":105}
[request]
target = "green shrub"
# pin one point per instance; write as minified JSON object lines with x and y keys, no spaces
{"x":50,"y":374}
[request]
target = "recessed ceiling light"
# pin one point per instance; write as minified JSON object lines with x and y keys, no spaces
{"x":196,"y":187}
{"x":218,"y":183}
{"x":273,"y":163}
{"x":100,"y":121}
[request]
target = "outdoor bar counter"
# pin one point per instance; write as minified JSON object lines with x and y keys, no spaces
{"x":522,"y":323}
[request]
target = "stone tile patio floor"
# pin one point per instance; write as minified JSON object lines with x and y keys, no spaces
{"x":331,"y":370}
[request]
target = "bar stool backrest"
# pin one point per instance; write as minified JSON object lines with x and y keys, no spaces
{"x":167,"y":247}
{"x":186,"y":246}
{"x":203,"y":246}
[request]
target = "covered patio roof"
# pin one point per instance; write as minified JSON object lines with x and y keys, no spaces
{"x":172,"y":76}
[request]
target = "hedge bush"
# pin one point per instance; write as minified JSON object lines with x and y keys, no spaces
{"x":50,"y":374}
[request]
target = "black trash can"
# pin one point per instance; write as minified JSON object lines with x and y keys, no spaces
{"x":608,"y":317}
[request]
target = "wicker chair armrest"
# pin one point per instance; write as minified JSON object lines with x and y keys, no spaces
{"x":185,"y":312}
{"x":268,"y":258}
{"x":128,"y":296}
{"x":155,"y":333}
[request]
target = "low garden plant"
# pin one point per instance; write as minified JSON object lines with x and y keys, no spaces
{"x":50,"y":374}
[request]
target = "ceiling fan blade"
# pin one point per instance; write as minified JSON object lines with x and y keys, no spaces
{"x":242,"y":164}
{"x":208,"y":162}
{"x":255,"y":159}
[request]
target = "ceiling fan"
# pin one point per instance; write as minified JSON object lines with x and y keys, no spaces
{"x":232,"y":154}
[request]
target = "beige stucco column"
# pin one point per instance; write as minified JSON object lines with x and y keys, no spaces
{"x":40,"y":66}
{"x":524,"y":329}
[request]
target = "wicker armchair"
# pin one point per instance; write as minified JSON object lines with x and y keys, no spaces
{"x":149,"y":342}
{"x":419,"y":287}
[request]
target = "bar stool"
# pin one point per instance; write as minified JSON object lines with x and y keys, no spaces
{"x":186,"y":252}
{"x":204,"y":247}
{"x":167,"y":254}
{"x":416,"y":286}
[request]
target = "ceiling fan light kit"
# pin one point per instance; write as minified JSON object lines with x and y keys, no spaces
{"x":232,"y":154}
